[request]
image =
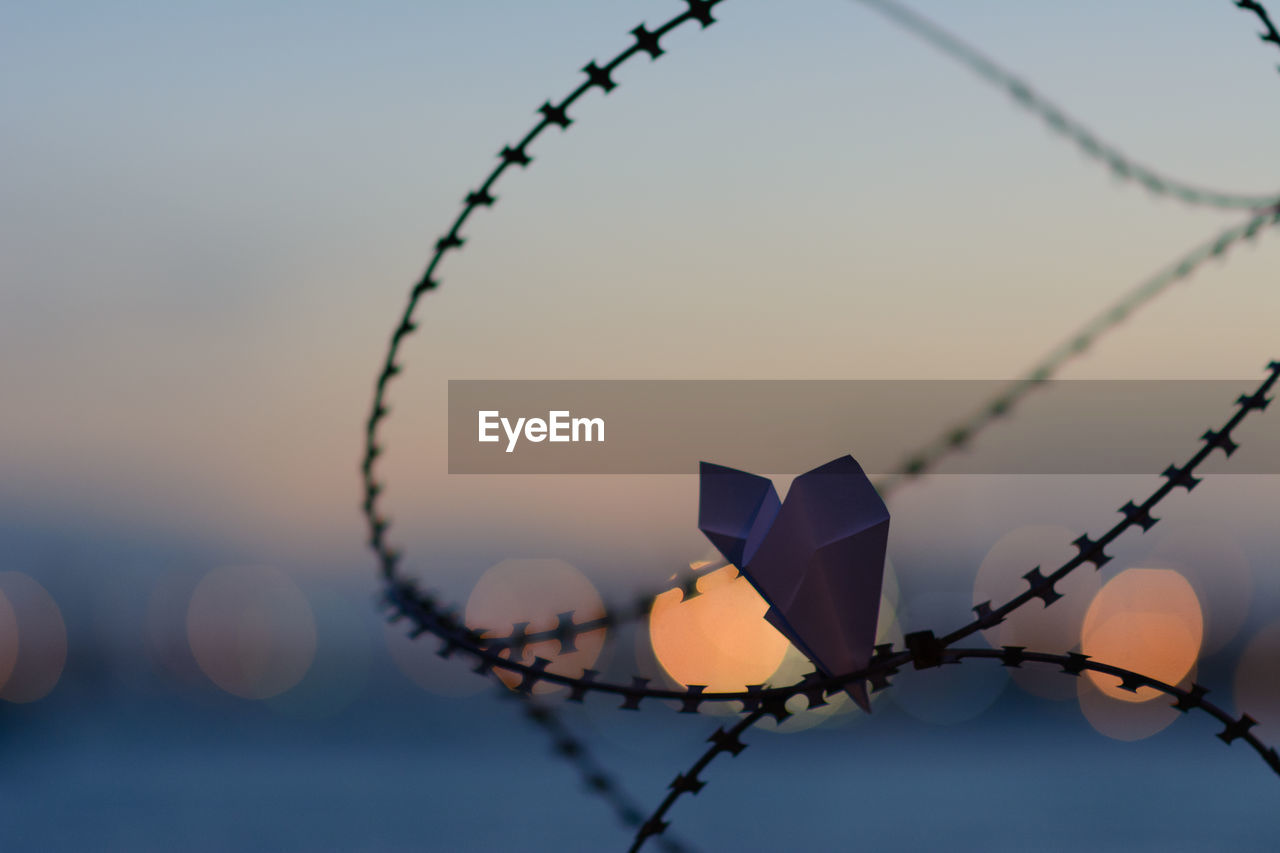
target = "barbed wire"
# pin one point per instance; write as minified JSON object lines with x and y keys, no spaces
{"x":953,"y":439}
{"x":923,"y":649}
{"x":425,"y":612}
{"x":429,"y":615}
{"x":688,"y":782}
{"x":645,"y":41}
{"x":1059,"y":121}
{"x":915,"y":465}
{"x":929,"y":652}
{"x":926,"y":655}
{"x":962,"y":434}
{"x":595,"y":778}
{"x":1269,"y":34}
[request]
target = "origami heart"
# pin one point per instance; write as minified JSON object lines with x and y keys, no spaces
{"x":817,"y":558}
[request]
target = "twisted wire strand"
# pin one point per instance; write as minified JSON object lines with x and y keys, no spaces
{"x":1185,"y":699}
{"x":427,"y":615}
{"x":1059,"y":121}
{"x":1269,"y":33}
{"x":594,"y":777}
{"x":688,"y":782}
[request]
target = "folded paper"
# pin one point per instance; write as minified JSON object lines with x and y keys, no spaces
{"x":817,"y":558}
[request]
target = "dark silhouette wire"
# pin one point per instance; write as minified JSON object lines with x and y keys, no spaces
{"x":924,"y":650}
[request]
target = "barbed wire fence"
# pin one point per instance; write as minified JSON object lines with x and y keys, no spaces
{"x":927,"y":656}
{"x":924,"y":650}
{"x":405,"y":600}
{"x":595,"y":778}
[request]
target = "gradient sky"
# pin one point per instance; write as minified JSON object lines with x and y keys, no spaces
{"x":211,"y":213}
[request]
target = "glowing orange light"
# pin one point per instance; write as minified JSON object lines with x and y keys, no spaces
{"x":1146,"y":620}
{"x":538,"y":591}
{"x":718,"y":638}
{"x":1124,"y":719}
{"x":1001,"y":577}
{"x":37,"y":637}
{"x":251,"y":630}
{"x":8,"y":639}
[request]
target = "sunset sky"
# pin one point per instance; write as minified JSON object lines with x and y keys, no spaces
{"x":211,"y":214}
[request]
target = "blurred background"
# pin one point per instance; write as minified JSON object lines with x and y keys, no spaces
{"x":210,"y":217}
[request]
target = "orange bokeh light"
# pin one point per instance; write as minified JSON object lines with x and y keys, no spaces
{"x":251,"y":630}
{"x":1145,"y":620}
{"x":8,"y":639}
{"x":1057,"y":628}
{"x":718,"y":638}
{"x":34,"y":636}
{"x":536,"y":591}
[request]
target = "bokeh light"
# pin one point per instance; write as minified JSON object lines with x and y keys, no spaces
{"x":8,"y":639}
{"x":39,"y":635}
{"x":952,"y":693}
{"x":1053,"y":629}
{"x":340,"y":669}
{"x":251,"y":630}
{"x":537,"y":591}
{"x":1145,"y":620}
{"x":1207,"y":554}
{"x":418,"y":660}
{"x":719,"y":637}
{"x":1123,"y":718}
{"x":1257,"y":682}
{"x":165,"y":629}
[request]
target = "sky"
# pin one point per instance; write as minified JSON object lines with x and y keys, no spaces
{"x":211,"y":214}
